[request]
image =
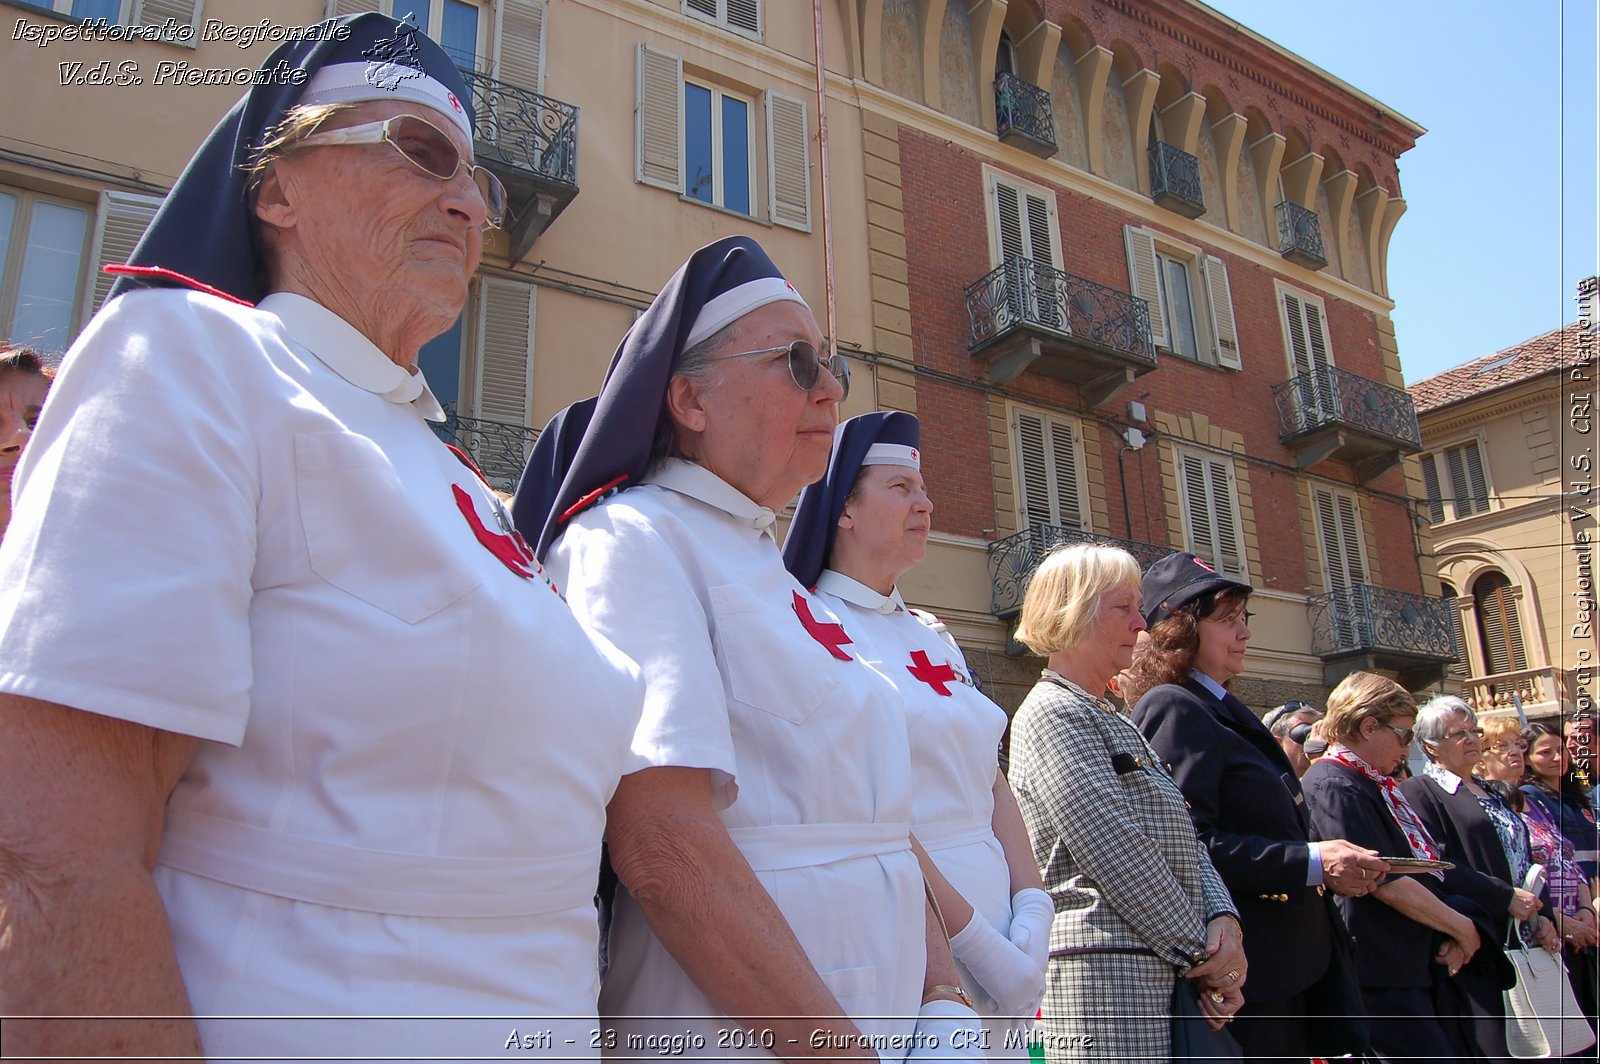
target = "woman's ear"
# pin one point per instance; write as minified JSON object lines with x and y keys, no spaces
{"x":685,"y":404}
{"x":274,"y":202}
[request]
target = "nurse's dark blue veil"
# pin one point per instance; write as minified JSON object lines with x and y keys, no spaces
{"x":604,"y":442}
{"x":816,"y":516}
{"x":205,"y":228}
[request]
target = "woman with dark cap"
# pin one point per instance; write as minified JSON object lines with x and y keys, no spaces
{"x":855,"y":533}
{"x":763,"y":851}
{"x":286,"y":715}
{"x":1244,"y":796}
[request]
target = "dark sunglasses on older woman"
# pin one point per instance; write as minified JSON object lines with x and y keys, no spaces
{"x":423,"y":145}
{"x":805,"y":364}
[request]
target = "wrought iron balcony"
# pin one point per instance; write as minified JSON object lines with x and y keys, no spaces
{"x":1013,"y":559}
{"x":1300,"y":236}
{"x":1331,"y":413}
{"x":530,"y":142}
{"x":1371,"y":628}
{"x":499,"y":449}
{"x":1175,"y":180}
{"x":1024,"y":116}
{"x":1026,"y":315}
{"x":1541,"y":691}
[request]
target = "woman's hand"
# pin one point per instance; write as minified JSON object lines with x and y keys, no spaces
{"x":1008,"y":975}
{"x":1523,"y":904}
{"x":1224,"y":967}
{"x":1218,"y":1006}
{"x":1577,"y":929}
{"x":1032,"y":913}
{"x":1544,"y":933}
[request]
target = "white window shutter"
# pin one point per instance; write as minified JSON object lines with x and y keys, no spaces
{"x":1229,"y":553}
{"x":1033,"y":475}
{"x":1430,"y":484}
{"x":1339,"y":527}
{"x":181,"y":12}
{"x":745,"y":15}
{"x":788,"y":162}
{"x":708,"y":8}
{"x":122,"y":220}
{"x":1317,"y":334}
{"x":519,"y":43}
{"x":1350,"y":533}
{"x":1064,"y":472}
{"x":1219,"y":297}
{"x":1475,"y":478}
{"x":1041,"y":248}
{"x":1008,"y":222}
{"x":659,"y":120}
{"x":336,"y":8}
{"x":1145,"y":279}
{"x":1299,"y":350}
{"x":1198,"y":505}
{"x":505,"y":351}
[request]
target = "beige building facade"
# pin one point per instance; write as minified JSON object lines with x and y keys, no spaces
{"x":1126,"y":260}
{"x":1509,"y":489}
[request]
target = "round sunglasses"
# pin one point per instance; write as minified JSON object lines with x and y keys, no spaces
{"x":425,"y":146}
{"x":805,"y":364}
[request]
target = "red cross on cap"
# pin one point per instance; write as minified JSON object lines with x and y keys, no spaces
{"x":453,"y":101}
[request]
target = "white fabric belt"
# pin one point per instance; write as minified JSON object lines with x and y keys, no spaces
{"x":780,"y":846}
{"x":948,"y":834}
{"x":378,"y":881}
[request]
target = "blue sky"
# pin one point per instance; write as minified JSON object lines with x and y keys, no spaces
{"x":1500,"y":221}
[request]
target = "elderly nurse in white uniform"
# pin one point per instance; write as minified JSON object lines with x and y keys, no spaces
{"x":769,"y":895}
{"x":291,"y":726}
{"x":855,"y":533}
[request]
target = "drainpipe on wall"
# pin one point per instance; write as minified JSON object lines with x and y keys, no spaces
{"x":822,"y":156}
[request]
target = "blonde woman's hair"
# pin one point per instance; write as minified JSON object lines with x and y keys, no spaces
{"x":1063,"y":597}
{"x":1362,"y":695}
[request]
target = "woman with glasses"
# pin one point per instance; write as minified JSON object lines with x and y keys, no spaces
{"x":1244,"y":797}
{"x":1501,"y":749}
{"x":1477,"y":830}
{"x":762,"y":843}
{"x":292,"y":725}
{"x":1403,"y":928}
{"x":855,"y":533}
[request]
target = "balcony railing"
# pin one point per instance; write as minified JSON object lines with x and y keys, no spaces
{"x":1549,"y":687}
{"x":1327,"y":396}
{"x":1392,"y":626}
{"x":1300,"y":236}
{"x":1024,"y":116}
{"x":1013,"y":559}
{"x":1175,"y":180}
{"x":530,"y":142}
{"x":498,"y":448}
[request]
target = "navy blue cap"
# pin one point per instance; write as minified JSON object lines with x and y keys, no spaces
{"x":816,"y":517}
{"x":206,"y":230}
{"x":1176,"y":580}
{"x":572,"y":465}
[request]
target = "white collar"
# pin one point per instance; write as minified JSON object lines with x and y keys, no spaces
{"x":858,"y":594}
{"x":1209,"y":684}
{"x":346,"y":351}
{"x":701,"y":484}
{"x":1446,"y":779}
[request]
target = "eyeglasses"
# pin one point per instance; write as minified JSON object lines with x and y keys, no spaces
{"x":1405,"y":734}
{"x":423,"y":145}
{"x":1505,"y":746}
{"x":1461,"y":733}
{"x":805,"y":364}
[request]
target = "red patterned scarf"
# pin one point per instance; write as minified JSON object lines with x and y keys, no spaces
{"x":1422,"y":844}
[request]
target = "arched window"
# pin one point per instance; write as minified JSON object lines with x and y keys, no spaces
{"x":1005,"y":59}
{"x":1462,"y":666}
{"x":1499,"y":626}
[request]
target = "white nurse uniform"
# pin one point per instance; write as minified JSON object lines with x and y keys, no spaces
{"x":955,"y":736}
{"x":750,"y":677}
{"x":235,"y":524}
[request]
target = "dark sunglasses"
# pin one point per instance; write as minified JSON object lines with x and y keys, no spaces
{"x":805,"y":364}
{"x":1405,"y":734}
{"x":423,"y":145}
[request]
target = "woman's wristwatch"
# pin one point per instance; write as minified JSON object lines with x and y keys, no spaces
{"x":947,"y":988}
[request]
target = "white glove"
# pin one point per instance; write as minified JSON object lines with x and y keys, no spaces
{"x":947,"y":1031}
{"x":1032,"y":913}
{"x":1006,"y":974}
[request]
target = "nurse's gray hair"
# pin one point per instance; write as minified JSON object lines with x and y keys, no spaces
{"x":1434,"y":716}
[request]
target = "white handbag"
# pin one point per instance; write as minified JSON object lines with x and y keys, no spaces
{"x":1542,"y":1015}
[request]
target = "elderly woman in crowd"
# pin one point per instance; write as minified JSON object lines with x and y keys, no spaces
{"x":1477,"y":830}
{"x":1244,"y":796}
{"x":763,"y":852}
{"x":1350,"y":795}
{"x":24,"y":382}
{"x":285,"y":717}
{"x":1138,"y":903}
{"x":856,"y":532}
{"x":1500,"y":753}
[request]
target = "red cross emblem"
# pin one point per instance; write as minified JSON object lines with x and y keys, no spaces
{"x":1201,"y":563}
{"x":916,"y":456}
{"x":512,"y":549}
{"x":453,"y":101}
{"x":935,"y":676}
{"x":831,"y":636}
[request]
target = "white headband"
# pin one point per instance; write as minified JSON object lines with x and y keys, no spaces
{"x":735,"y":303}
{"x":361,"y":82}
{"x":893,"y":454}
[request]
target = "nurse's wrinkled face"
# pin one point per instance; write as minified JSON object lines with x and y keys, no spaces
{"x":745,"y":418}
